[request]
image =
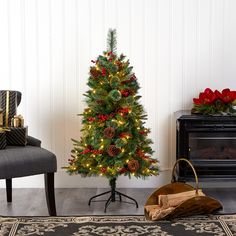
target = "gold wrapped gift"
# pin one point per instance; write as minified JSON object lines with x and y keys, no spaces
{"x":1,"y":117}
{"x":17,"y":121}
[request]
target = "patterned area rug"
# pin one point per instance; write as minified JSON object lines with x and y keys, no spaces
{"x":117,"y":225}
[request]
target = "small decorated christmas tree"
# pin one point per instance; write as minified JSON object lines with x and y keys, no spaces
{"x":114,"y":140}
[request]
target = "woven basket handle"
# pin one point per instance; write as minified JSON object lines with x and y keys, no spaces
{"x":190,"y":164}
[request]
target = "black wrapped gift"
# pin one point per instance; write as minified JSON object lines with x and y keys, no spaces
{"x":17,"y":136}
{"x":9,"y":100}
{"x":3,"y":142}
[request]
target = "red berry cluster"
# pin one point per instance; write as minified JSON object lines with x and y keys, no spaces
{"x":125,"y":135}
{"x":104,"y":71}
{"x":111,"y":56}
{"x":91,"y":119}
{"x":125,"y":92}
{"x":102,"y":117}
{"x":103,"y":170}
{"x":87,"y":150}
{"x":141,"y":154}
{"x":144,"y":132}
{"x":95,"y":152}
{"x":122,"y":170}
{"x":123,"y":111}
{"x":132,"y":78}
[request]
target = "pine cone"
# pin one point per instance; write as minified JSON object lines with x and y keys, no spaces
{"x":133,"y":165}
{"x":113,"y":150}
{"x":109,"y":132}
{"x":100,"y":102}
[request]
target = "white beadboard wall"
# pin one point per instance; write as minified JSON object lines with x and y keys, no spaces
{"x":177,"y":48}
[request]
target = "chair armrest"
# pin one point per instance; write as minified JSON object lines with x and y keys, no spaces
{"x":33,"y":141}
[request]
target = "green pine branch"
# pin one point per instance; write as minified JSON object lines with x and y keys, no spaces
{"x":111,"y":41}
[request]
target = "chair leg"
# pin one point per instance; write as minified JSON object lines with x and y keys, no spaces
{"x":50,"y":195}
{"x":9,"y":189}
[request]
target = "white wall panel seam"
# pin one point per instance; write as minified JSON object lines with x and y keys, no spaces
{"x":9,"y":42}
{"x":77,"y":58}
{"x":104,"y":2}
{"x":52,"y":144}
{"x":130,"y":28}
{"x":64,"y":87}
{"x":183,"y":57}
{"x":210,"y":41}
{"x":157,"y":78}
{"x":197,"y":44}
{"x":116,"y":9}
{"x":23,"y":60}
{"x":90,"y":28}
{"x":170,"y":127}
{"x":223,"y":39}
{"x":37,"y":69}
{"x":144,"y":66}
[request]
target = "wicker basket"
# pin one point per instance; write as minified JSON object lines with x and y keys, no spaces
{"x":194,"y":206}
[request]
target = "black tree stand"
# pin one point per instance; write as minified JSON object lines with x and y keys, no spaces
{"x":112,"y":198}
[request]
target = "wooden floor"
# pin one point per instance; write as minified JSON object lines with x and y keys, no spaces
{"x":31,"y":202}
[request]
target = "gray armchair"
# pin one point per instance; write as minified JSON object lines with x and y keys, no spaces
{"x":20,"y":161}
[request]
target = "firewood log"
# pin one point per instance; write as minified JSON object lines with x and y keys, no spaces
{"x":173,"y":200}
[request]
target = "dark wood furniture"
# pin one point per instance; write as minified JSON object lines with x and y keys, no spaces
{"x":209,"y":142}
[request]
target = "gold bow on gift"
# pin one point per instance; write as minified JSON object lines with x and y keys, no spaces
{"x":3,"y":129}
{"x":17,"y":121}
{"x":1,"y":117}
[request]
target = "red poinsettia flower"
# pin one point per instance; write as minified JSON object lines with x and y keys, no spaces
{"x":226,"y":95}
{"x":216,"y":102}
{"x":233,"y":93}
{"x":197,"y":101}
{"x":207,"y":97}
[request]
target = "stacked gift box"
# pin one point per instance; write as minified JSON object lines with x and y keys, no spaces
{"x":12,"y":129}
